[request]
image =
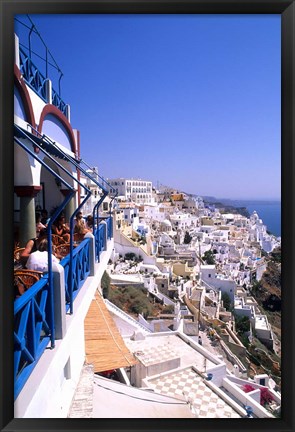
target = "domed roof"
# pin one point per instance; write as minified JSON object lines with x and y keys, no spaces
{"x":254,"y":215}
{"x":167,"y":222}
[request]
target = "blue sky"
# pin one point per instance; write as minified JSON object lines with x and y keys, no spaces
{"x":189,"y":101}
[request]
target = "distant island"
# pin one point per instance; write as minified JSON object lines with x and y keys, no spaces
{"x":226,"y":208}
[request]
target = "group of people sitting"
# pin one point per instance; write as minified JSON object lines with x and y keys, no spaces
{"x":81,"y":227}
{"x":35,"y":253}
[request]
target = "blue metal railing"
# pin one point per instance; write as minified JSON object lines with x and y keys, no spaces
{"x":58,"y":210}
{"x":58,"y":102}
{"x":109,"y":222}
{"x":34,"y":311}
{"x":100,"y":236}
{"x":108,"y":189}
{"x":34,"y":78}
{"x":76,"y":274}
{"x":103,"y":232}
{"x":31,"y":330}
{"x":37,"y":81}
{"x":102,"y":184}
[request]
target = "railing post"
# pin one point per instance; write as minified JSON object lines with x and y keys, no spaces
{"x":68,"y":112}
{"x":59,"y":300}
{"x":16,"y":51}
{"x":105,"y":235}
{"x":91,"y":253}
{"x":48,"y":90}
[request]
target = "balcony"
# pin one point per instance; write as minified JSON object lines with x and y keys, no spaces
{"x":42,"y":315}
{"x":38,"y":82}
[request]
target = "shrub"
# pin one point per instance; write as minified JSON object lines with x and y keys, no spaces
{"x":226,"y":300}
{"x":265,"y":396}
{"x":248,"y":388}
{"x":209,"y":257}
{"x":105,"y":284}
{"x":242,"y":324}
{"x":168,"y":309}
{"x":130,"y":256}
{"x":187,"y":238}
{"x":131,"y":299}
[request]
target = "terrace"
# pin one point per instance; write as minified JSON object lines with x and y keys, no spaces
{"x":40,"y":313}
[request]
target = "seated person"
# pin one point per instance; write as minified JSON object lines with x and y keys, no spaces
{"x":80,"y":231}
{"x":79,"y":219}
{"x":39,"y":224}
{"x":38,"y":260}
{"x":32,"y":245}
{"x":61,"y":228}
{"x":89,"y":222}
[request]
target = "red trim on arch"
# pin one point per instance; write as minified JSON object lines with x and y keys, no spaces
{"x":21,"y":86}
{"x":53,"y":110}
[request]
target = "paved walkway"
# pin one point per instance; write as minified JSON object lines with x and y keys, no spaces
{"x":213,"y":348}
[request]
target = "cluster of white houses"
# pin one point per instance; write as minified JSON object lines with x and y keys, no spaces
{"x":89,"y":336}
{"x":235,"y":241}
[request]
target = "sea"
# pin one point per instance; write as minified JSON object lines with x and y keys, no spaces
{"x":268,"y":211}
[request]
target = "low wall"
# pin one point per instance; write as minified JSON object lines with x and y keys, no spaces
{"x":247,"y":399}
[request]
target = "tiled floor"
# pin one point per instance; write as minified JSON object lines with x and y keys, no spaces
{"x":156,"y":354}
{"x":187,"y":384}
{"x":167,"y":347}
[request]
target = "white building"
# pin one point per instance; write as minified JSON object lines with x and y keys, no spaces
{"x":218,"y":281}
{"x":183,"y":220}
{"x":136,"y":190}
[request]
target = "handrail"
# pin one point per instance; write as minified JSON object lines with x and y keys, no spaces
{"x":111,"y":190}
{"x":66,"y":200}
{"x":77,"y":272}
{"x":104,"y":180}
{"x":33,"y":29}
{"x":65,"y":155}
{"x":30,"y":320}
{"x":47,"y":140}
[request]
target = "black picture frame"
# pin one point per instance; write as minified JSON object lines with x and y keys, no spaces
{"x":8,"y":8}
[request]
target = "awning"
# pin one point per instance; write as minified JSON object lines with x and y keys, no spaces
{"x":104,"y":346}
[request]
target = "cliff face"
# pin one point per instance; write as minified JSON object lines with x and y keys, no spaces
{"x":267,"y":293}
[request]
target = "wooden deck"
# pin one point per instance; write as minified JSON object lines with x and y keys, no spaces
{"x":104,"y":346}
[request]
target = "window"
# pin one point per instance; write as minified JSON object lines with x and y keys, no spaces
{"x":126,"y":217}
{"x":209,"y":275}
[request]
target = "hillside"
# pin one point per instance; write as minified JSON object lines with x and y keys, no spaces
{"x":227,"y":208}
{"x":267,"y":291}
